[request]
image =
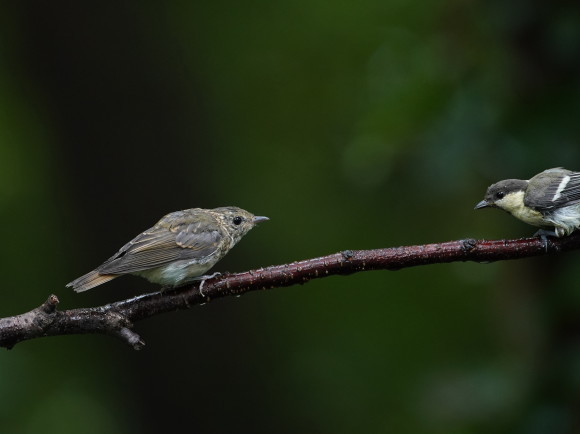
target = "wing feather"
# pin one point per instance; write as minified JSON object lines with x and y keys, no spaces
{"x":548,"y":192}
{"x":174,"y":238}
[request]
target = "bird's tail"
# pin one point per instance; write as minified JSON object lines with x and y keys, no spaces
{"x":90,"y":280}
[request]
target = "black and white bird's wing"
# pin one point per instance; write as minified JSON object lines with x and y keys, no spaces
{"x":171,"y":240}
{"x":552,"y":189}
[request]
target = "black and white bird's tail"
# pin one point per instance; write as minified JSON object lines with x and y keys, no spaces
{"x":90,"y":280}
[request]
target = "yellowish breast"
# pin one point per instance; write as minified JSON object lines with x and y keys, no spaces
{"x":514,"y":204}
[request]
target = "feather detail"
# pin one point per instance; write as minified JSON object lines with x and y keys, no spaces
{"x":90,"y":280}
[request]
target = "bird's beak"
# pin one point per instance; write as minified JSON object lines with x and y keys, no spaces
{"x":259,"y":218}
{"x":483,"y":204}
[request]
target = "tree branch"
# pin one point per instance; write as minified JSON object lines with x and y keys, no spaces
{"x":116,"y":318}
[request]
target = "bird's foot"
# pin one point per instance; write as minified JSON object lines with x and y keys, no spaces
{"x":543,"y":234}
{"x":204,"y":278}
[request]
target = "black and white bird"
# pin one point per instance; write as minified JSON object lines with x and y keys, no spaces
{"x":550,"y":200}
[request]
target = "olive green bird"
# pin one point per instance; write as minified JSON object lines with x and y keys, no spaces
{"x":180,"y":248}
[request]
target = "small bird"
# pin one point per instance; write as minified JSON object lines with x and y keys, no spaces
{"x":180,"y":248}
{"x":549,"y":200}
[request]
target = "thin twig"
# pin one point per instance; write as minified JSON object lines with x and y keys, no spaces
{"x":116,"y":319}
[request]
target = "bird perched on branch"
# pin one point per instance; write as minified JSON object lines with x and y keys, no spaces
{"x":181,"y":247}
{"x":550,"y":200}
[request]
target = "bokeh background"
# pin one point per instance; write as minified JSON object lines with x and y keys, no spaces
{"x":352,"y":125}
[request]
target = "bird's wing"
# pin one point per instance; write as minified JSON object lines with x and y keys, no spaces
{"x":553,"y":189}
{"x":172,"y":239}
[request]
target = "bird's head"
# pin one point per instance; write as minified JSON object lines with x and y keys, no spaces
{"x":506,"y":195}
{"x":236,"y":221}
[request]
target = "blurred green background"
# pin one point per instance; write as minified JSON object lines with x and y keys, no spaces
{"x":352,"y":125}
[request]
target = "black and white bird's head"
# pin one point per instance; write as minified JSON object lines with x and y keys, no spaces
{"x":505,"y":194}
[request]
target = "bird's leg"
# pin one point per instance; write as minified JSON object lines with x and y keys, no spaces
{"x":543,"y":234}
{"x":204,"y":278}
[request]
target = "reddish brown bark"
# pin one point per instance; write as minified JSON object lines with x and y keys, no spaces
{"x":116,"y":318}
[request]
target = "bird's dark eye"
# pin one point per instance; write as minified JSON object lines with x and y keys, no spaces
{"x":499,"y":195}
{"x":237,"y":220}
